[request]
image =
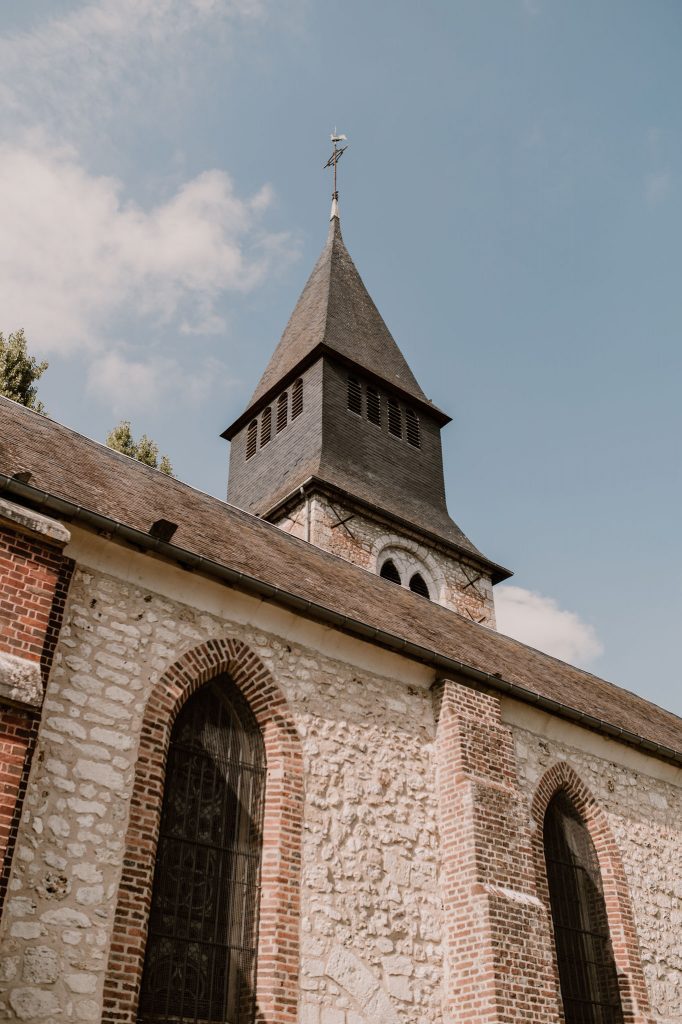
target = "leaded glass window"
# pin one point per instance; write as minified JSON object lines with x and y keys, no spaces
{"x":587,"y":970}
{"x":200,"y":963}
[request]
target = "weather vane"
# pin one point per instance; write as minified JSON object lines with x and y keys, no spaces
{"x":335,"y":157}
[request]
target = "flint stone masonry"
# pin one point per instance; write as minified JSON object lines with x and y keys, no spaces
{"x":370,"y":849}
{"x":452,"y":581}
{"x":645,"y":818}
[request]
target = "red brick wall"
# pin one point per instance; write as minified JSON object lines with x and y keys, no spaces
{"x":633,"y":991}
{"x":34,"y":580}
{"x":497,"y":934}
{"x":278,"y":945}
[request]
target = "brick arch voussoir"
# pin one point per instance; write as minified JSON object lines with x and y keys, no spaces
{"x":276,"y":985}
{"x":562,"y":776}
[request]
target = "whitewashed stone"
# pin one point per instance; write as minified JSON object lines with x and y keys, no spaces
{"x":41,"y":965}
{"x":33,"y":1003}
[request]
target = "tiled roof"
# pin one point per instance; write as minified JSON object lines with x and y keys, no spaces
{"x":66,"y":465}
{"x":335,"y":309}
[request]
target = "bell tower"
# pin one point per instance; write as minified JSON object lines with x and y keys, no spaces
{"x":340,"y":446}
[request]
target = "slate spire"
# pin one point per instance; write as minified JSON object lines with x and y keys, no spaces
{"x":335,"y":311}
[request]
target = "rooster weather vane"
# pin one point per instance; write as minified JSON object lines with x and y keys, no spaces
{"x":335,"y":157}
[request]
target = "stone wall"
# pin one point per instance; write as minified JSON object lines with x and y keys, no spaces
{"x":352,"y":535}
{"x":642,"y":802}
{"x":370,"y":924}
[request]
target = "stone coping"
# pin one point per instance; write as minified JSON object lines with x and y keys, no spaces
{"x":34,"y":522}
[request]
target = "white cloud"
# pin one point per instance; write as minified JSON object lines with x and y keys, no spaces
{"x":76,"y":254}
{"x":539,"y":622}
{"x":126,"y":383}
{"x":73,"y":70}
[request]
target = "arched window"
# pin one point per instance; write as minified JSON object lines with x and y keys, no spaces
{"x":418,"y":585}
{"x":412,"y":424}
{"x":265,"y":426}
{"x":395,"y":423}
{"x":587,"y":970}
{"x":355,"y":395}
{"x":389,"y":572}
{"x":200,"y":962}
{"x":251,"y":433}
{"x":297,"y":399}
{"x":373,"y":405}
{"x":282,"y":410}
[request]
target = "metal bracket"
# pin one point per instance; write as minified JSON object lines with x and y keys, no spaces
{"x":342,"y":522}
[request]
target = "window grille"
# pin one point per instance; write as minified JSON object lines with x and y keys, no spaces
{"x":251,"y":433}
{"x":389,"y":572}
{"x":412,"y":426}
{"x":395,"y":422}
{"x":297,"y":399}
{"x":373,"y":405}
{"x":355,"y":395}
{"x":587,"y":970}
{"x":418,"y":585}
{"x":282,"y":410}
{"x":200,"y":962}
{"x":265,"y":426}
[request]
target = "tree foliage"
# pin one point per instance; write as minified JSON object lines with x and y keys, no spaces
{"x":19,"y":371}
{"x":145,"y":450}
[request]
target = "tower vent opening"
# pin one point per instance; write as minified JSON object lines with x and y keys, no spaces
{"x":355,"y":395}
{"x":265,"y":426}
{"x":282,"y":410}
{"x":297,"y":399}
{"x":395,"y":421}
{"x":251,"y":436}
{"x":412,"y":424}
{"x":373,"y":405}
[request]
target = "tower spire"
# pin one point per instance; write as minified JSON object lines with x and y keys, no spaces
{"x":332,"y":162}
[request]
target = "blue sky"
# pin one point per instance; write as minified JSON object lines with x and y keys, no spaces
{"x":511,"y":196}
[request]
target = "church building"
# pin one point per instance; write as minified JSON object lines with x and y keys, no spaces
{"x":267,"y":761}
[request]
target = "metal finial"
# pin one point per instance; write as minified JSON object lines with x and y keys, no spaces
{"x":332,"y":162}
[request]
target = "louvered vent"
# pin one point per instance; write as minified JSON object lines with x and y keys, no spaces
{"x":251,"y":435}
{"x":297,"y":399}
{"x":412,"y":424}
{"x":373,"y":405}
{"x":418,"y":585}
{"x":395,"y":422}
{"x":282,"y":410}
{"x":265,"y":426}
{"x":355,"y":395}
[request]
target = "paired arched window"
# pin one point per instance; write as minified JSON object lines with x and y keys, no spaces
{"x":395,"y":420}
{"x":418,"y":585}
{"x":200,"y":962}
{"x":373,"y":405}
{"x":389,"y":572}
{"x":587,"y":970}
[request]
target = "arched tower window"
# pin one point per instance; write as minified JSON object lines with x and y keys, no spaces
{"x":251,"y":434}
{"x":282,"y":410}
{"x":587,"y":970}
{"x":355,"y":395}
{"x":265,"y":426}
{"x":412,"y":423}
{"x":373,"y":405}
{"x":200,"y":962}
{"x":418,"y":585}
{"x":389,"y":572}
{"x":395,"y":422}
{"x":297,"y":399}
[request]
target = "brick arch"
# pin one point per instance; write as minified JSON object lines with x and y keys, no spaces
{"x":278,"y":942}
{"x":561,"y":776}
